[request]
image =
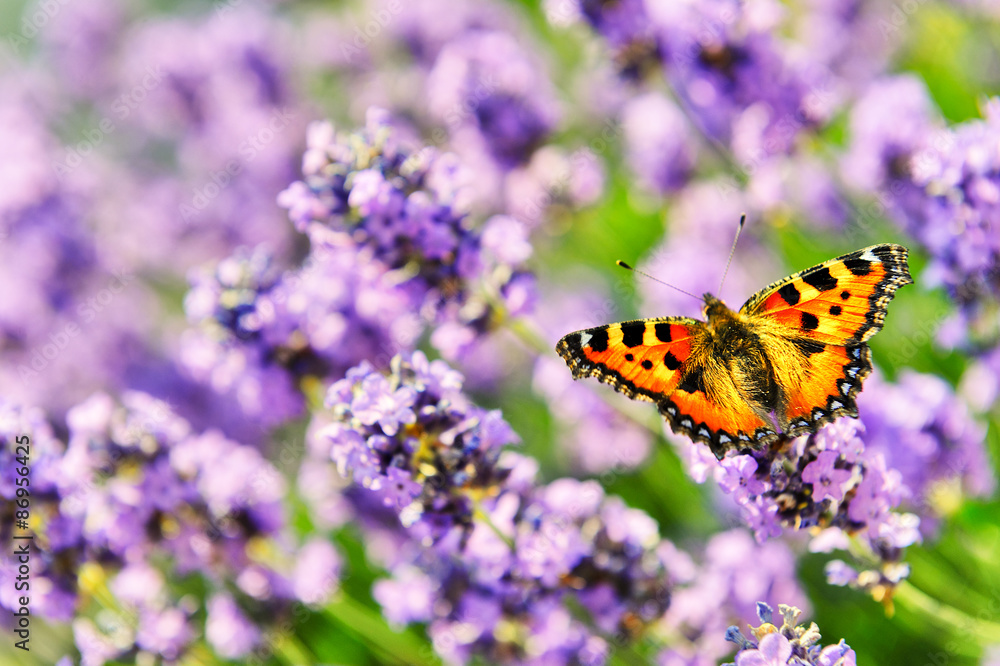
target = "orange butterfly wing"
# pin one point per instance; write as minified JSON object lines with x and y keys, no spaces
{"x":829,"y":311}
{"x":648,"y":359}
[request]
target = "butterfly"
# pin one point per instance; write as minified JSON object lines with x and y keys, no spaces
{"x":790,"y":360}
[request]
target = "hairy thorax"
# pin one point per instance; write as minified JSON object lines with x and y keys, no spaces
{"x":742,"y":360}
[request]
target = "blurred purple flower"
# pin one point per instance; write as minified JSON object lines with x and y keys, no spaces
{"x":926,"y":433}
{"x":742,"y":85}
{"x":735,"y":574}
{"x":317,"y":572}
{"x":592,"y":433}
{"x":658,"y":143}
{"x":136,"y":493}
{"x":491,"y":92}
{"x":941,"y":187}
{"x":228,"y":630}
{"x":889,"y":124}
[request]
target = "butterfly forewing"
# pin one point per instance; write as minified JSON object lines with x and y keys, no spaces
{"x":644,"y":358}
{"x":839,"y":302}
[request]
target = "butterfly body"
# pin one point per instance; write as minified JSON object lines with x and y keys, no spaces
{"x":791,"y":359}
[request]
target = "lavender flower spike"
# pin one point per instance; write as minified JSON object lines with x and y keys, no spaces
{"x":415,"y":441}
{"x":791,"y":643}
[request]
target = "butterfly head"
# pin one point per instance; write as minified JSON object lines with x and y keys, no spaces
{"x":714,"y":308}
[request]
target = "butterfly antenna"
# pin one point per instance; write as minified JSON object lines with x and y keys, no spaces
{"x":636,"y":270}
{"x":732,"y":251}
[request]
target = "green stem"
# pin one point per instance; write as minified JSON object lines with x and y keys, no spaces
{"x":907,"y":594}
{"x":479,"y":514}
{"x":392,"y":647}
{"x":291,"y":650}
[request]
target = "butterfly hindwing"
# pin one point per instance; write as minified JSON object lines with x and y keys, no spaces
{"x":834,"y":378}
{"x":828,"y":312}
{"x":689,"y":412}
{"x":652,"y":360}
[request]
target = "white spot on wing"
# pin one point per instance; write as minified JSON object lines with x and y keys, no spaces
{"x":870,"y":256}
{"x":584,"y":339}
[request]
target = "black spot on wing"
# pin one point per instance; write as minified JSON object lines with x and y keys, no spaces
{"x":632,"y":334}
{"x":820,"y":279}
{"x":808,"y":347}
{"x":845,"y":295}
{"x":629,"y":358}
{"x":858,"y":266}
{"x":662,"y":332}
{"x":692,"y":382}
{"x":671,"y":361}
{"x":789,"y":294}
{"x":647,"y":364}
{"x":809,"y":321}
{"x":598,"y":340}
{"x":835,"y":310}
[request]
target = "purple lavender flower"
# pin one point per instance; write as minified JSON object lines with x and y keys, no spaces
{"x":658,"y":141}
{"x":228,"y":629}
{"x":735,"y":572}
{"x":210,"y":95}
{"x":415,"y":442}
{"x":57,"y":538}
{"x":940,"y":187}
{"x":955,"y":219}
{"x":261,"y":333}
{"x":136,"y":493}
{"x":826,"y":479}
{"x":481,"y":544}
{"x":72,"y":321}
{"x":926,"y":433}
{"x":741,"y":84}
{"x":406,"y":208}
{"x":791,"y":643}
{"x":567,"y":540}
{"x":81,"y":47}
{"x":830,"y":480}
{"x":490,"y":92}
{"x":889,"y":124}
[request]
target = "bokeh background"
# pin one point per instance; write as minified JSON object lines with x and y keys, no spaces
{"x":210,"y":212}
